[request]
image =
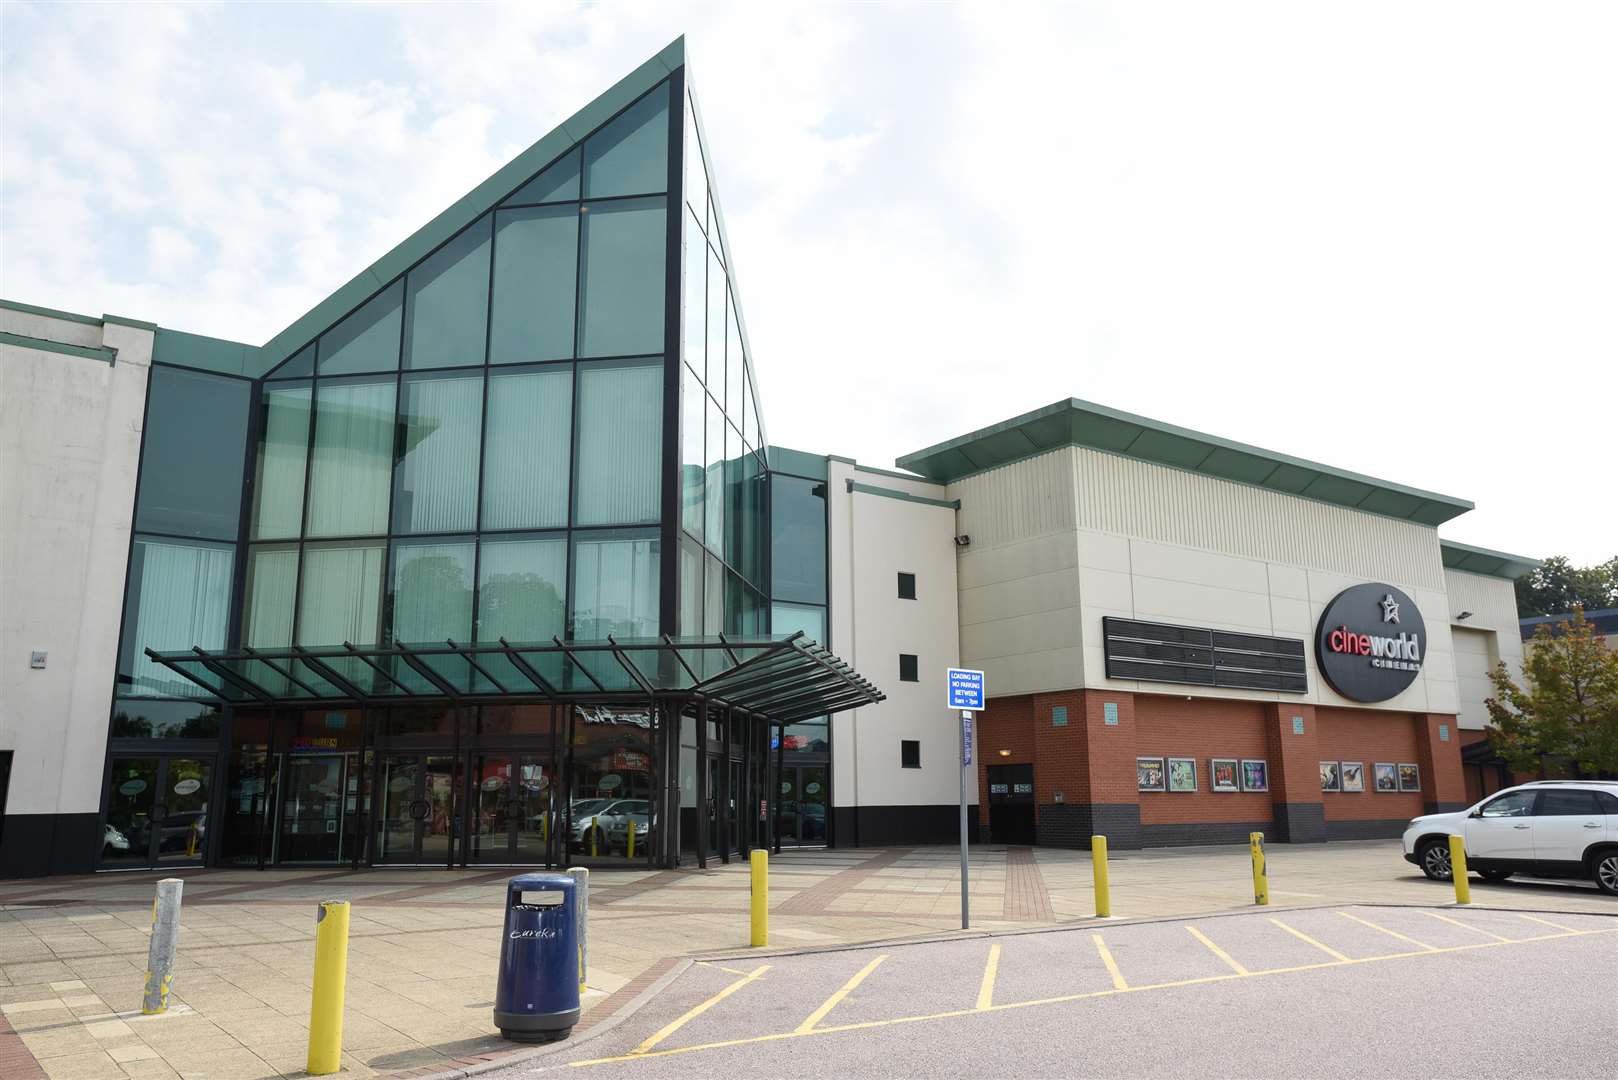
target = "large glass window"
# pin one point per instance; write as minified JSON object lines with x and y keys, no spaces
{"x":178,"y":597}
{"x":615,"y":586}
{"x":367,"y":340}
{"x":630,"y":156}
{"x":733,"y":365}
{"x":432,"y":592}
{"x":536,"y":269}
{"x":341,"y":594}
{"x":272,"y":584}
{"x":622,"y":278}
{"x":790,"y":618}
{"x":192,"y":454}
{"x":714,"y":498}
{"x":714,"y":372}
{"x":713,"y":599}
{"x":525,"y":456}
{"x":695,"y":298}
{"x":696,"y":170}
{"x":690,"y":621}
{"x":620,"y":443}
{"x":798,"y":533}
{"x":283,"y":450}
{"x":734,"y":515}
{"x":522,"y":583}
{"x":439,"y":429}
{"x":693,"y":481}
{"x":447,"y":303}
{"x":349,"y":474}
{"x":558,"y":183}
{"x":754,"y":491}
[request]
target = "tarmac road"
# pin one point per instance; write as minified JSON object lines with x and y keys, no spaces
{"x":1329,"y":992}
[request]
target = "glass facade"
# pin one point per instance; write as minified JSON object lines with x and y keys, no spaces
{"x":487,"y":448}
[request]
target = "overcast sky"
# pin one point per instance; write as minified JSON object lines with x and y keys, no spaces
{"x":1381,"y":236}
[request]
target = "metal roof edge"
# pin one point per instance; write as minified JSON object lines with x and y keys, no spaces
{"x":184,"y":349}
{"x":105,"y":354}
{"x":469,"y":207}
{"x":50,"y":313}
{"x":1457,"y":556}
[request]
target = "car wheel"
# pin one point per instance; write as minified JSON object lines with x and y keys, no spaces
{"x":1606,"y":872}
{"x":1435,"y":860}
{"x":1496,"y":875}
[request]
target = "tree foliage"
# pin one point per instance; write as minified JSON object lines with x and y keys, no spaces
{"x":1558,"y":586}
{"x":1567,"y":707}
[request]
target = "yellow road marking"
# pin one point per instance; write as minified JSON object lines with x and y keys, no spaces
{"x":831,"y":1003}
{"x":1217,"y":951}
{"x":1390,"y":933}
{"x":1112,"y":965}
{"x":693,"y":1013}
{"x":1301,"y":936}
{"x":990,"y":969}
{"x":722,"y":967}
{"x":1547,"y":922}
{"x":1466,"y":926}
{"x":1066,"y":998}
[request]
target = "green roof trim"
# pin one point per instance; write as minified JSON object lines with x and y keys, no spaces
{"x":467,"y":209}
{"x":1082,"y":423}
{"x":786,"y":460}
{"x":51,"y":313}
{"x":1478,"y":560}
{"x":22,"y":341}
{"x":902,"y":496}
{"x":207,"y":353}
{"x":874,"y":471}
{"x":139,"y":324}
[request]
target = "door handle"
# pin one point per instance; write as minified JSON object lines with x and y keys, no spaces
{"x":1591,"y":825}
{"x":1519,"y":826}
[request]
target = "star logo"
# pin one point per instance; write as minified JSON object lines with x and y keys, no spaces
{"x":1390,"y":609}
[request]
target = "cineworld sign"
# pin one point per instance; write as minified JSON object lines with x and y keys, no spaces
{"x":1370,"y":641}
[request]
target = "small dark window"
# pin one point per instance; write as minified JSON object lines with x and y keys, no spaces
{"x":907,"y":586}
{"x":907,"y":668}
{"x":909,"y":754}
{"x":1567,"y":804}
{"x":1609,"y":803}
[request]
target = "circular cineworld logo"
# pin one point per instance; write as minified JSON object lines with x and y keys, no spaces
{"x":1370,"y":642}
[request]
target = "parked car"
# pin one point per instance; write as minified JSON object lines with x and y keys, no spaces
{"x":112,"y":840}
{"x":607,"y":815}
{"x":638,"y":819}
{"x":1547,"y":828}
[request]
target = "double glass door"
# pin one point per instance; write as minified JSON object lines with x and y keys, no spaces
{"x":416,"y":820}
{"x":513,"y":816}
{"x":805,"y":804}
{"x":157,"y":811}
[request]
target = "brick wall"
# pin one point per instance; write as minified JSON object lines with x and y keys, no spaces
{"x":1367,"y":736}
{"x":1200,"y":728}
{"x":1007,"y":724}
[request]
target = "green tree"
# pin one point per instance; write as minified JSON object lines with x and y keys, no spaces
{"x":1558,"y":586}
{"x":1567,"y":707}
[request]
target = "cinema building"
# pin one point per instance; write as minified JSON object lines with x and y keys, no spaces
{"x":488,"y":560}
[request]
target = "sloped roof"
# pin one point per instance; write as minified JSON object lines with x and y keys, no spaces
{"x":1478,"y":560}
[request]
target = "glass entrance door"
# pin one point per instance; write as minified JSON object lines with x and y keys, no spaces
{"x":312,"y":821}
{"x":157,"y":812}
{"x":127,"y":837}
{"x":417,"y":820}
{"x":804,"y":805}
{"x":511,"y":810}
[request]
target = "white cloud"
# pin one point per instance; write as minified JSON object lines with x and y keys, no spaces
{"x":1377,"y":236}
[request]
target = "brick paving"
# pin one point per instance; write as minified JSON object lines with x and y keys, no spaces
{"x":424,"y":944}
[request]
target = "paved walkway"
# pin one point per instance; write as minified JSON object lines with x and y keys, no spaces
{"x":424,"y":943}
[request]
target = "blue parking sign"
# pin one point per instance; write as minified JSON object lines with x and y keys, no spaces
{"x":965,"y":689}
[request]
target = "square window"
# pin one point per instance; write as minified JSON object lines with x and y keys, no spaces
{"x":909,"y":753}
{"x":907,"y":586}
{"x":907,"y":668}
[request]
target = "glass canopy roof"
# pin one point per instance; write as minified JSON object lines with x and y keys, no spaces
{"x":784,"y":679}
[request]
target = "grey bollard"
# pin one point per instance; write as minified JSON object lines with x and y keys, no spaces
{"x":160,"y":954}
{"x":581,"y":904}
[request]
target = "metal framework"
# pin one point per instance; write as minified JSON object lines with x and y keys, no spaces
{"x":785,"y":679}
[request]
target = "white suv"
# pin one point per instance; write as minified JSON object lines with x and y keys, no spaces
{"x":1547,"y":828}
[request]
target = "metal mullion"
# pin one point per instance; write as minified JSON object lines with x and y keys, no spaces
{"x":213,"y":691}
{"x":327,"y":672}
{"x":475,"y":666}
{"x":630,"y":668}
{"x":426,"y":672}
{"x":238,"y":578}
{"x":794,"y":688}
{"x":286,"y":673}
{"x":380,"y":670}
{"x":567,"y":651}
{"x":529,"y":672}
{"x":668,"y":641}
{"x":238,"y":681}
{"x":725,"y":794}
{"x":701,"y":720}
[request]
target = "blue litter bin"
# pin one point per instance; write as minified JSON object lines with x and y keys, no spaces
{"x":537,"y":999}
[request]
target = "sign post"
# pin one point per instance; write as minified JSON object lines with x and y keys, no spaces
{"x":966,"y":692}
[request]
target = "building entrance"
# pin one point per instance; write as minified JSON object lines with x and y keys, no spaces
{"x":157,"y":812}
{"x":416,"y":810}
{"x":1011,"y":804}
{"x":513,"y":819}
{"x":804,"y":805}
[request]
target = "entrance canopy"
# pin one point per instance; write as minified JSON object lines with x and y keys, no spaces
{"x":784,"y":679}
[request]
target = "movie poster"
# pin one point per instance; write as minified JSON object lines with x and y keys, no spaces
{"x":1331,"y":777}
{"x":1255,"y":775}
{"x":1387,"y":776}
{"x":1409,"y":777}
{"x":1149,"y":773}
{"x":1353,"y":775}
{"x":1222,"y":774}
{"x":1182,"y":774}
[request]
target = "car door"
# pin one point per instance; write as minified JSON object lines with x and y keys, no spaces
{"x":1567,"y":821}
{"x":1502,"y":830}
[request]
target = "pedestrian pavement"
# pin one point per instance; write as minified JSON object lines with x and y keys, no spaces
{"x":424,"y":944}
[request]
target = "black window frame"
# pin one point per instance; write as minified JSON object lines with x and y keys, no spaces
{"x":906,"y":578}
{"x":909,"y":753}
{"x":914,"y":666}
{"x":1592,"y":804}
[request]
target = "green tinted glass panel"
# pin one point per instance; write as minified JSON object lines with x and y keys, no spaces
{"x":630,"y":156}
{"x":440,"y":421}
{"x":536,"y":264}
{"x":525,"y":456}
{"x":178,"y":597}
{"x":713,"y":597}
{"x":690,"y":618}
{"x":192,"y":454}
{"x":733,"y":364}
{"x":693,"y":480}
{"x":620,"y":440}
{"x":791,"y":618}
{"x":754,"y":490}
{"x":714,"y":496}
{"x":615,"y":587}
{"x":522,"y":585}
{"x":272,"y":583}
{"x":447,"y":304}
{"x":734,"y":517}
{"x":715,"y":371}
{"x":283,"y":449}
{"x":696,"y":172}
{"x":798,"y":535}
{"x":341,"y":593}
{"x":353,"y":459}
{"x":367,"y":340}
{"x":300,"y":366}
{"x":432,"y":592}
{"x":694,"y":297}
{"x":622,"y":276}
{"x":558,"y":183}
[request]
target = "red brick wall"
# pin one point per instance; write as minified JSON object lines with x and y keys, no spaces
{"x":1007,"y":724}
{"x":1062,"y":754}
{"x":1368,"y":736}
{"x":1200,"y":728}
{"x":1110,"y":768}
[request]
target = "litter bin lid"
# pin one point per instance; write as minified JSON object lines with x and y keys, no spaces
{"x":540,"y":882}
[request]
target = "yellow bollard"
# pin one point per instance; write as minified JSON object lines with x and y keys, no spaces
{"x":629,"y":849}
{"x":1261,"y":872}
{"x":1457,"y":869}
{"x":331,"y":973}
{"x":1098,"y":861}
{"x":760,"y":860}
{"x":595,"y":832}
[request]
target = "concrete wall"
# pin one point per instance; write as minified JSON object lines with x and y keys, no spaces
{"x":70,"y":431}
{"x":1483,"y":639}
{"x":1146,"y":541}
{"x":872,"y":538}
